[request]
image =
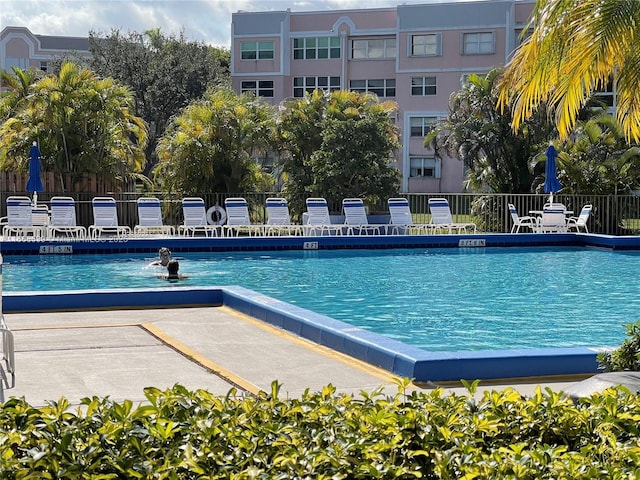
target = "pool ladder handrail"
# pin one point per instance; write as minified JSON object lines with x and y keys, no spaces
{"x":7,"y":365}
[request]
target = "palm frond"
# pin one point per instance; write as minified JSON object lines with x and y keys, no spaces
{"x":576,"y":47}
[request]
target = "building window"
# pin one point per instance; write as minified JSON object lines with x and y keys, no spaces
{"x":256,"y":50}
{"x":426,"y":167}
{"x":604,"y":98}
{"x":522,"y":36}
{"x":479,"y":43}
{"x":425,"y":45}
{"x":22,"y":63}
{"x":373,"y":49}
{"x":312,"y":48}
{"x":260,"y":88}
{"x":421,"y":86}
{"x":44,"y":65}
{"x":420,"y":126}
{"x":309,"y":84}
{"x":382,"y":88}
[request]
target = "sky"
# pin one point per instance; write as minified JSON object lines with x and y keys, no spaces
{"x":207,"y":21}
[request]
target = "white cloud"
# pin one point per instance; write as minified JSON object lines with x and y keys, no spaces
{"x":208,"y":21}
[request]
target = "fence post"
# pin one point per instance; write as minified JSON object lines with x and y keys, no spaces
{"x":610,"y":228}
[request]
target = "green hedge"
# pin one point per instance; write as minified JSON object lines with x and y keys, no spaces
{"x":182,"y":434}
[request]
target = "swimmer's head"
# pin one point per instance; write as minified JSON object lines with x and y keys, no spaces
{"x":172,"y":267}
{"x":165,"y":255}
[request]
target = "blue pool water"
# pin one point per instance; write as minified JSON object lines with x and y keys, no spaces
{"x":435,"y":299}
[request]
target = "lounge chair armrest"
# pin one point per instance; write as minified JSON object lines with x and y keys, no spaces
{"x":572,"y":222}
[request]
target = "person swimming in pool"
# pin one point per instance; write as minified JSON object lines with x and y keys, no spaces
{"x":164,"y":257}
{"x":173,"y":274}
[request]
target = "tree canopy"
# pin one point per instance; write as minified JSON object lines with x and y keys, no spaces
{"x":576,"y":47}
{"x":299,"y":137}
{"x":82,"y":123}
{"x":211,"y":145}
{"x":597,"y":160}
{"x":16,"y":85}
{"x":480,"y":134}
{"x":166,"y":73}
{"x":338,"y":145}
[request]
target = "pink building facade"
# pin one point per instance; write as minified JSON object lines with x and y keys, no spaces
{"x":415,"y":55}
{"x":23,"y":49}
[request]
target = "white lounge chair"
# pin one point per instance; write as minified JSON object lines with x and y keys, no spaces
{"x":553,"y":219}
{"x":63,"y":219}
{"x":105,"y":219}
{"x":518,"y":221}
{"x":556,"y":206}
{"x":355,"y":217}
{"x":150,"y":218}
{"x":20,"y":219}
{"x":441,"y":217}
{"x":318,"y":219}
{"x":402,"y":219}
{"x":238,"y":219}
{"x":581,"y":220}
{"x":279,"y":218}
{"x":195,"y":219}
{"x":41,"y":217}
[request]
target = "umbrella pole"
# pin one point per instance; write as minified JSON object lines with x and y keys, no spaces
{"x":35,"y":199}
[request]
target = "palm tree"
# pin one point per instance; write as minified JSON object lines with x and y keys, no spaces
{"x":211,"y":146}
{"x":596,"y":159}
{"x":358,"y":143}
{"x":82,"y":123}
{"x":299,"y":136}
{"x":576,"y":47}
{"x":336,"y":145}
{"x":17,"y":86}
{"x":495,"y":155}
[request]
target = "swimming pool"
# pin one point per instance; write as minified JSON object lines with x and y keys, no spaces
{"x":435,"y":299}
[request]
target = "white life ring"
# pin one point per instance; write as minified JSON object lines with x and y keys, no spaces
{"x":216,"y":215}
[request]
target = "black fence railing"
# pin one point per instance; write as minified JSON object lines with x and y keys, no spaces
{"x":611,"y":214}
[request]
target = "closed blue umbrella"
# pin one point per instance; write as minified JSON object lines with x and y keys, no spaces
{"x":551,"y":183}
{"x":34,"y":184}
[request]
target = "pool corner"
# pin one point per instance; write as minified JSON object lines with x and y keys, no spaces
{"x":391,"y":355}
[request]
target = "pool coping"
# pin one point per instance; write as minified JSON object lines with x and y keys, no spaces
{"x":150,"y":244}
{"x":386,"y":353}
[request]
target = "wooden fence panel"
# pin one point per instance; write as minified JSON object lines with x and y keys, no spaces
{"x":16,"y":182}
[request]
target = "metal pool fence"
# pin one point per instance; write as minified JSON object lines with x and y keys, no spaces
{"x":611,"y":214}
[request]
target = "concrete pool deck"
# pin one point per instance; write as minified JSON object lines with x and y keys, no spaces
{"x":117,"y":353}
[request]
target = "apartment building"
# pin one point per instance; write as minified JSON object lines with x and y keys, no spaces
{"x":23,"y":49}
{"x":415,"y":55}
